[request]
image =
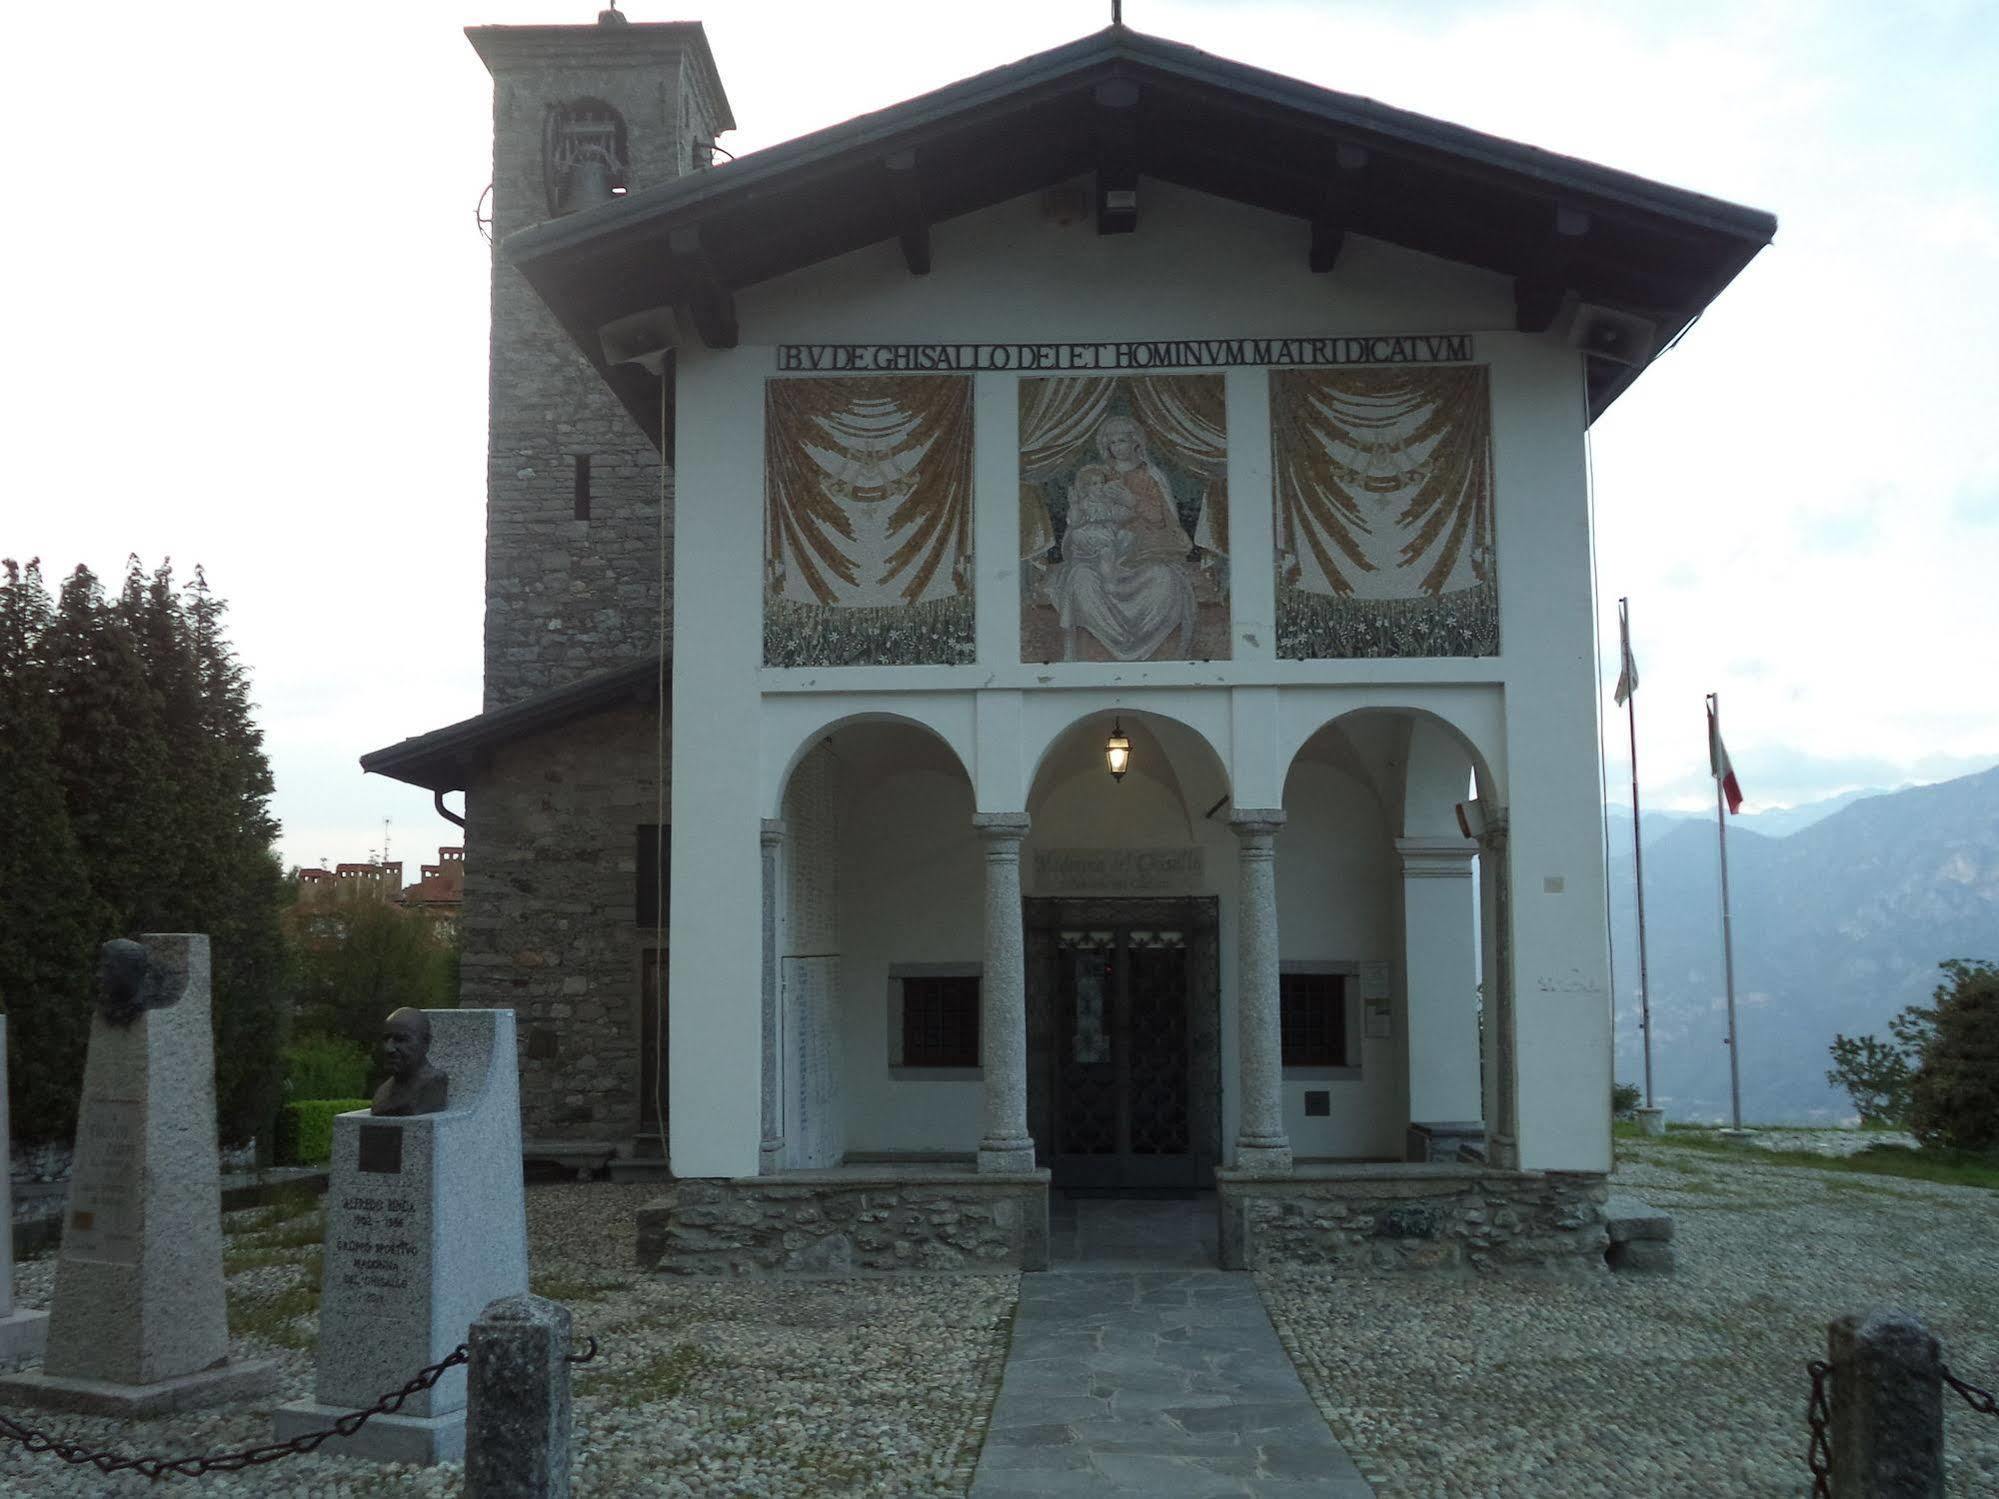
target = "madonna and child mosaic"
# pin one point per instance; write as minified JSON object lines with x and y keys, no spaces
{"x":1383,"y":482}
{"x":868,"y":521}
{"x":1124,"y":519}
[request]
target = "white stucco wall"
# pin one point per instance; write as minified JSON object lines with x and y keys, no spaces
{"x":1197,"y":267}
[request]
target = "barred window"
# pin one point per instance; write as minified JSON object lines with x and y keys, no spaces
{"x":940,"y":1021}
{"x":1313,"y":1019}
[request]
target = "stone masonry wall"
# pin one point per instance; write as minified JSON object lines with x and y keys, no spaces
{"x":794,"y":1226}
{"x":566,"y":597}
{"x":550,"y":918}
{"x":1457,"y":1220}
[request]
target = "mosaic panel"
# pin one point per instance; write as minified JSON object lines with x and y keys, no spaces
{"x":868,"y":521}
{"x":1383,"y":482}
{"x":1124,"y":519}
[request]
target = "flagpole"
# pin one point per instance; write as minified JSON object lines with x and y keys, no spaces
{"x":1638,"y":864}
{"x":1727,"y":934}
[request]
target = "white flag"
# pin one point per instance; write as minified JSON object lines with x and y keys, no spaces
{"x":1627,"y":679}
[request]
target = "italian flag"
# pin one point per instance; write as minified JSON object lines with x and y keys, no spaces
{"x":1717,"y":758}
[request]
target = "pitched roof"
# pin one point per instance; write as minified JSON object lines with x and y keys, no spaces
{"x":1340,"y":161}
{"x":444,"y":759}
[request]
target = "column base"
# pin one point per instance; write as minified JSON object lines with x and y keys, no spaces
{"x":1006,"y":1156}
{"x":770,"y":1158}
{"x":1268,"y":1160}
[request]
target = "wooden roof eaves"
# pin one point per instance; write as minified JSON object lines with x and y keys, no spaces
{"x":442,"y":759}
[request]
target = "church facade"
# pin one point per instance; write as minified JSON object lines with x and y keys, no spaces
{"x":1043,"y":637}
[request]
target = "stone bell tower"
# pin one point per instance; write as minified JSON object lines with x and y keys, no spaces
{"x":577,"y":502}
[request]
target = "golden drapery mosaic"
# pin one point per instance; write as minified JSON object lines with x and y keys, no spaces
{"x":1384,"y":495}
{"x":1124,"y":518}
{"x":868,"y":521}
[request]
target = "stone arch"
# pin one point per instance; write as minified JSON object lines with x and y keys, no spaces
{"x":1418,"y":763}
{"x":1195,"y":767}
{"x":819,"y":728}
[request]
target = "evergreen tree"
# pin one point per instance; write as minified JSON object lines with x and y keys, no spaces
{"x":113,"y":765}
{"x":231,"y":846}
{"x":49,"y":923}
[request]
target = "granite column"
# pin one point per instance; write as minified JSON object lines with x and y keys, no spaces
{"x":1005,"y":1144}
{"x":1495,"y":870}
{"x":1260,"y":1140}
{"x":770,"y":1155}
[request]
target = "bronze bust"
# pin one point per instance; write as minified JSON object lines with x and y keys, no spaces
{"x":131,"y":980}
{"x":413,"y":1085}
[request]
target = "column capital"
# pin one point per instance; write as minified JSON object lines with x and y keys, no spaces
{"x":1001,"y":827}
{"x":773,"y":832}
{"x":1256,"y":822}
{"x":1493,"y":839}
{"x":1437,"y":858}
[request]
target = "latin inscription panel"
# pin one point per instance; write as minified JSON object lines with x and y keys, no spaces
{"x":1117,"y":871}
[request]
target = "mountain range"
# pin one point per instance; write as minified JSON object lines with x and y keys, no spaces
{"x":1842,"y":911}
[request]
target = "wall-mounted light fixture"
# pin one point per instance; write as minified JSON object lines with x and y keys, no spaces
{"x":1117,"y":751}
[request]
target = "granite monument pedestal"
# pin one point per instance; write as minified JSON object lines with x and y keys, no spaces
{"x":426,"y":1225}
{"x":22,"y":1333}
{"x":140,"y":1322}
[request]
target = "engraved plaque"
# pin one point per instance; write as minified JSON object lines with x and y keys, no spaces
{"x":1374,"y":981}
{"x":380,"y":1149}
{"x":105,"y":1211}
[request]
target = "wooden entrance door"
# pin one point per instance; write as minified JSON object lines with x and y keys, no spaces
{"x":1126,"y":1061}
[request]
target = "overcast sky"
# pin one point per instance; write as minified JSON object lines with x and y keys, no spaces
{"x":246,"y":327}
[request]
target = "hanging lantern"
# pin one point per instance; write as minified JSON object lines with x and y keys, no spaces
{"x":1117,"y":751}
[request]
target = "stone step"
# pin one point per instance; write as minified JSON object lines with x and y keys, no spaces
{"x":1630,"y":1219}
{"x":1640,"y":1237}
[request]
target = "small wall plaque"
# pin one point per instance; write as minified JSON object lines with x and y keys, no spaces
{"x":1377,"y":1022}
{"x":1374,"y":981}
{"x":381,"y":1149}
{"x":1318,"y":1103}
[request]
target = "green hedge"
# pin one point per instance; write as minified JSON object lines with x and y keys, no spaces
{"x":324,"y":1067}
{"x":305,"y":1129}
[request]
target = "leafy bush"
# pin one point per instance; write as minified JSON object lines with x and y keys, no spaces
{"x":1875,"y":1075}
{"x":1624,"y":1097}
{"x":324,"y":1067}
{"x":1954,"y":1100}
{"x":305,"y":1129}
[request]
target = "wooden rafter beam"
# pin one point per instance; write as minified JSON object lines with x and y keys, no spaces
{"x":913,"y":224}
{"x":1538,"y":294}
{"x":709,"y":304}
{"x":1117,"y":155}
{"x":1340,"y":207}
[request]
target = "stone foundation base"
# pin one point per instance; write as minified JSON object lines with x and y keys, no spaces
{"x":849,"y":1220}
{"x":23,"y":1335}
{"x":132,"y":1402}
{"x":424,"y":1441}
{"x":1390,"y":1219}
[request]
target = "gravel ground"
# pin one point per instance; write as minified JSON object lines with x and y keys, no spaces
{"x":766,"y":1388}
{"x":1691,"y":1384}
{"x":1829,"y":1142}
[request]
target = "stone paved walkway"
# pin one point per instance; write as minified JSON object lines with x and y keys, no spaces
{"x":1163,"y":1381}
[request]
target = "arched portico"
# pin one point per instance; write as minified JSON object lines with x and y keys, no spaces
{"x":1381,"y":958}
{"x":1128,"y":889}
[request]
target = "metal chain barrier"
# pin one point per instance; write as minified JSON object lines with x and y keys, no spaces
{"x":1818,"y":1415}
{"x":1979,"y":1400}
{"x":156,"y":1468}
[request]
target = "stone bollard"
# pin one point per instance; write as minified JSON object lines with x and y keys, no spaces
{"x":1651,"y":1123}
{"x":517,"y":1401}
{"x":1887,"y":1408}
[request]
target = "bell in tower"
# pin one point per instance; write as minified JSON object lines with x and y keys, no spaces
{"x":583,"y":155}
